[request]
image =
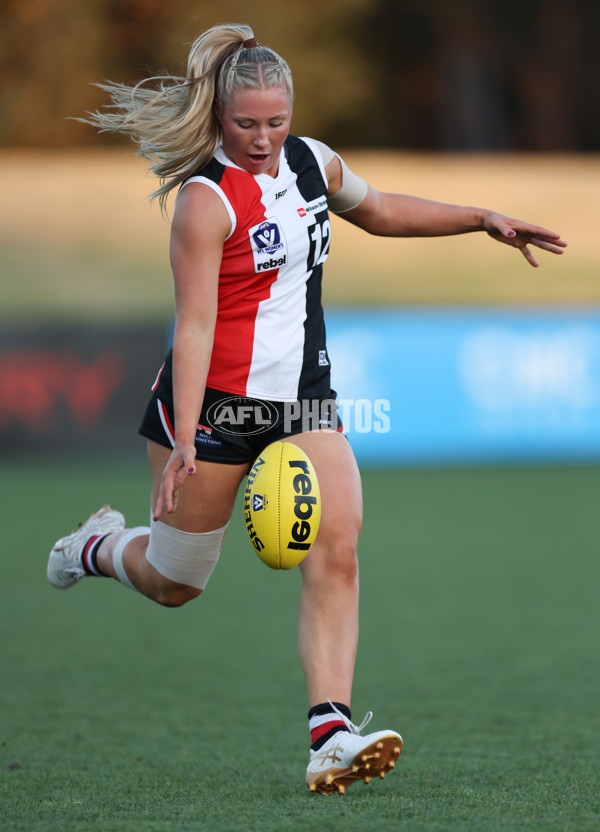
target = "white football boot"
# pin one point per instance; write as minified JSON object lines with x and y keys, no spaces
{"x":64,"y":563}
{"x":347,"y":757}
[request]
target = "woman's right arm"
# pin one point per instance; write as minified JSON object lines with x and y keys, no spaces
{"x":200,"y":225}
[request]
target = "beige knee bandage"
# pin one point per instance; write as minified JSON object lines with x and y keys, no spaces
{"x":184,"y":557}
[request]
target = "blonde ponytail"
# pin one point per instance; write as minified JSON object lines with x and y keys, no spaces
{"x":172,"y":119}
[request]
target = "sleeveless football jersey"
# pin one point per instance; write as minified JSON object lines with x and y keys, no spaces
{"x":269,"y":338}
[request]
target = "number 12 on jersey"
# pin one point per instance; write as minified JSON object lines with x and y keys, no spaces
{"x":320,"y":238}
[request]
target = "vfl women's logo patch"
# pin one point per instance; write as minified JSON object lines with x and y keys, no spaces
{"x":268,"y":246}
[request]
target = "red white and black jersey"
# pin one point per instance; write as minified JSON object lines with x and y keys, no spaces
{"x":269,"y":340}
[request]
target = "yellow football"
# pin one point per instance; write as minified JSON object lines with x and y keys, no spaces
{"x":282,"y":505}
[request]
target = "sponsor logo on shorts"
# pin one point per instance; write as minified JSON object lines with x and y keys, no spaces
{"x":203,"y":437}
{"x":242,"y":416}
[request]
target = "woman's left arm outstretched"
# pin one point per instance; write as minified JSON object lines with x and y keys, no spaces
{"x":400,"y":215}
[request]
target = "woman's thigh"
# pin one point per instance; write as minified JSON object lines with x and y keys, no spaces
{"x":206,"y":498}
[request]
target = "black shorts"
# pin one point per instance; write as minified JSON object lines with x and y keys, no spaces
{"x":235,"y":429}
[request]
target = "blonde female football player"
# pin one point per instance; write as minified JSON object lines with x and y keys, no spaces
{"x":250,"y":234}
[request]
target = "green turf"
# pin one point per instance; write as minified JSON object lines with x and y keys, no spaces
{"x":479,"y":643}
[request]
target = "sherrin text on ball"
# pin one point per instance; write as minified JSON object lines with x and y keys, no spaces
{"x":282,"y":505}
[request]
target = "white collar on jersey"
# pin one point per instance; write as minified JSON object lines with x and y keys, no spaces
{"x":222,"y":157}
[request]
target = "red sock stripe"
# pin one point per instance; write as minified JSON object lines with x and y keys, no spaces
{"x":318,"y":732}
{"x":87,"y":550}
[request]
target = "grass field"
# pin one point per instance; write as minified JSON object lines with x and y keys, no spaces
{"x":479,"y":644}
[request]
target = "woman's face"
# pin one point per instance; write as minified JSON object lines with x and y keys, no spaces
{"x":255,"y":125}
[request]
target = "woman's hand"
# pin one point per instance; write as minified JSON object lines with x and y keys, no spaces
{"x":181,"y":464}
{"x":521,"y":235}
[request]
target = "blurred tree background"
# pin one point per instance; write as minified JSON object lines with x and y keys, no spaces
{"x":409,"y":74}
